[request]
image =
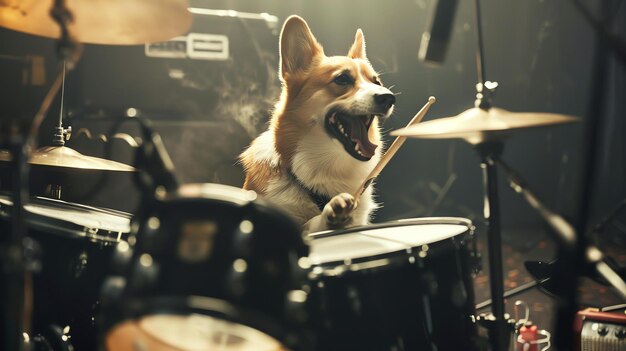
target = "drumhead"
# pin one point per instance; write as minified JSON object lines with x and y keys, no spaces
{"x":190,"y":323}
{"x":194,"y":332}
{"x":385,"y":238}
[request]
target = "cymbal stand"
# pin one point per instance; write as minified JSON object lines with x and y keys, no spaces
{"x":62,"y":134}
{"x":17,"y":266}
{"x":14,"y":266}
{"x":69,"y":52}
{"x":498,"y":326}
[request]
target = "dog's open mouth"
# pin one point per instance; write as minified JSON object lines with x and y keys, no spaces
{"x":352,"y":132}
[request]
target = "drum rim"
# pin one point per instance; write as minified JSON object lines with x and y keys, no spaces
{"x":212,"y":192}
{"x":65,"y":227}
{"x":387,"y":259}
{"x":395,"y":223}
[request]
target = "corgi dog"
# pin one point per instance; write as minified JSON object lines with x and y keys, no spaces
{"x":323,"y":138}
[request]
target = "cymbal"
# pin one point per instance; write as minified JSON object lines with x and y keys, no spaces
{"x":116,"y":22}
{"x":62,"y":156}
{"x":476,"y":125}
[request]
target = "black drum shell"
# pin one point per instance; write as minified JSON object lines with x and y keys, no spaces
{"x":66,"y":290}
{"x":258,"y":293}
{"x":71,"y":263}
{"x":412,"y":303}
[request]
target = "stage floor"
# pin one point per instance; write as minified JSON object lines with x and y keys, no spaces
{"x":520,"y":245}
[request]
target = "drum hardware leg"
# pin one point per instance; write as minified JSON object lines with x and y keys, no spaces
{"x":14,"y":257}
{"x":491,"y":324}
{"x":510,"y":293}
{"x":609,"y":218}
{"x":565,"y":232}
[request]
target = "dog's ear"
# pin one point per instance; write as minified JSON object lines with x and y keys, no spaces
{"x":298,"y":46}
{"x":358,"y":47}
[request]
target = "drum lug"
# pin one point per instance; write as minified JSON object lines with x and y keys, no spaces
{"x":80,"y":264}
{"x":242,"y":239}
{"x":92,"y":233}
{"x":295,"y":309}
{"x":32,"y":255}
{"x":121,"y":257}
{"x":145,"y":272}
{"x":112,"y":289}
{"x":476,"y":262}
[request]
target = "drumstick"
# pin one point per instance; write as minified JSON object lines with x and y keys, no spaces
{"x":392,"y":150}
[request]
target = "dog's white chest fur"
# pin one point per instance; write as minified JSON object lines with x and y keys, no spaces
{"x":321,"y":165}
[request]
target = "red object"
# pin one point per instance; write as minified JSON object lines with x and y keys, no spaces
{"x":528,"y":334}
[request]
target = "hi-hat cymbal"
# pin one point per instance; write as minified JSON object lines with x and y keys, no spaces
{"x":477,"y":125}
{"x":62,"y":156}
{"x":117,"y":22}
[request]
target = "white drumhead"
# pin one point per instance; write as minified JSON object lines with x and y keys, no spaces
{"x":350,"y":246}
{"x":418,"y":234}
{"x":187,"y":333}
{"x":83,"y":217}
{"x":374,"y":241}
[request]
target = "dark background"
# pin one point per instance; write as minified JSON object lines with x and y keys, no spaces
{"x":541,"y":52}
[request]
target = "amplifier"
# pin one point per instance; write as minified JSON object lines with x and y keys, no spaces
{"x":208,"y":92}
{"x":223,"y":67}
{"x":600,"y":331}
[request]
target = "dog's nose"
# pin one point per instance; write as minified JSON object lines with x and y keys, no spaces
{"x":384,"y":101}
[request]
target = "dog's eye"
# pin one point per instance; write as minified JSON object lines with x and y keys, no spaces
{"x":343,"y":79}
{"x":376,"y":81}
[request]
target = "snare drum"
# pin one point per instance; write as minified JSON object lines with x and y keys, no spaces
{"x":213,"y":268}
{"x":403,"y":285}
{"x":76,"y":243}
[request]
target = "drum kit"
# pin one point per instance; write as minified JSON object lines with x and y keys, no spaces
{"x":212,"y":267}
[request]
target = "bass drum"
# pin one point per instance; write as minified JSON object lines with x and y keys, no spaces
{"x":75,"y":247}
{"x":404,"y":285}
{"x":213,"y":268}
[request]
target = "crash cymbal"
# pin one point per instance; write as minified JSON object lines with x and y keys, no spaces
{"x":117,"y":22}
{"x":62,"y":156}
{"x":477,"y":125}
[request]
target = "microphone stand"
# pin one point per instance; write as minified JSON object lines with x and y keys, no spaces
{"x":152,"y":157}
{"x":155,"y":174}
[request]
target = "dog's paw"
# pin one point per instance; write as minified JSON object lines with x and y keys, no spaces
{"x":338,"y":211}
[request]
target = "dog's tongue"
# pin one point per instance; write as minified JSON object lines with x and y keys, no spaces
{"x":358,"y":134}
